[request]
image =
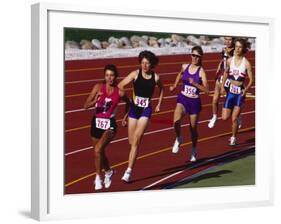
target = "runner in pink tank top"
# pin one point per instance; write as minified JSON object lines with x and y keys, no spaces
{"x":107,"y":103}
{"x":105,"y":98}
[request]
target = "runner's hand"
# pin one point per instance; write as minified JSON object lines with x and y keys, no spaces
{"x":124,"y":122}
{"x":157,"y":108}
{"x":172,"y":88}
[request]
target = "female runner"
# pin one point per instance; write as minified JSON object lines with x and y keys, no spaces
{"x":188,"y":101}
{"x":144,"y":81}
{"x":105,"y":98}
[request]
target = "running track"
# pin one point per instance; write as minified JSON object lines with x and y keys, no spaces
{"x":156,"y":167}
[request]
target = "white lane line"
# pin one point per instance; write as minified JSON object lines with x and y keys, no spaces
{"x":78,"y":110}
{"x":166,"y":97}
{"x":91,"y":108}
{"x":191,"y":167}
{"x":119,"y":104}
{"x":146,"y":133}
{"x":122,"y":77}
{"x":161,"y":180}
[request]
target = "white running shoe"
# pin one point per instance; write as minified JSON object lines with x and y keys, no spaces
{"x":232,"y":141}
{"x":212,"y":122}
{"x":176,"y":146}
{"x":239,"y":122}
{"x":193,"y":158}
{"x":98,"y":183}
{"x":107,"y":178}
{"x":126,"y":176}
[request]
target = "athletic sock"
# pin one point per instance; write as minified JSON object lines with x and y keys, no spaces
{"x":179,"y":139}
{"x":193,"y":150}
{"x":98,"y":177}
{"x":129,"y":170}
{"x":108,"y":172}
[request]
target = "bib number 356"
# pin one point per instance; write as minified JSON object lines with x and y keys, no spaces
{"x":190,"y":91}
{"x":102,"y":123}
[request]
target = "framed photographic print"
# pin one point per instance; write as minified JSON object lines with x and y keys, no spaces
{"x":148,"y":111}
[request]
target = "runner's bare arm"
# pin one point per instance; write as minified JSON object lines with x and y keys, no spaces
{"x":161,"y":88}
{"x":129,"y":78}
{"x":93,"y":97}
{"x":219,"y":67}
{"x":225,"y":75}
{"x":172,"y":87}
{"x":126,"y":99}
{"x":250,"y":75}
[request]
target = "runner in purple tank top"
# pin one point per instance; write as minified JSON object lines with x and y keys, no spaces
{"x":194,"y":80}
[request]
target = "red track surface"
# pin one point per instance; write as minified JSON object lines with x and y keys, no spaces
{"x":155,"y":163}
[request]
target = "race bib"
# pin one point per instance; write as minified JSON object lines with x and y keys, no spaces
{"x":227,"y":83}
{"x":235,"y":89}
{"x":103,"y":123}
{"x":141,"y":101}
{"x":190,"y":91}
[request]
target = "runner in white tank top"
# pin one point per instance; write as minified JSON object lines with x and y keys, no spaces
{"x":234,"y":77}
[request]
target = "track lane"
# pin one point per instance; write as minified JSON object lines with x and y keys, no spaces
{"x":118,"y":152}
{"x":73,"y":162}
{"x":148,"y":171}
{"x":158,"y":121}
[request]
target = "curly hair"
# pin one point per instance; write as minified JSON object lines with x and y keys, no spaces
{"x":151,"y":57}
{"x":244,"y":43}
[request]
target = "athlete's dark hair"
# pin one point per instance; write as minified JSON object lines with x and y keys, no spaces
{"x":200,"y":51}
{"x":112,"y":68}
{"x":232,"y":41}
{"x":245,"y":44}
{"x":151,"y":57}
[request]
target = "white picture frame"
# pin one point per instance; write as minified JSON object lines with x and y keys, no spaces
{"x":48,"y":201}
